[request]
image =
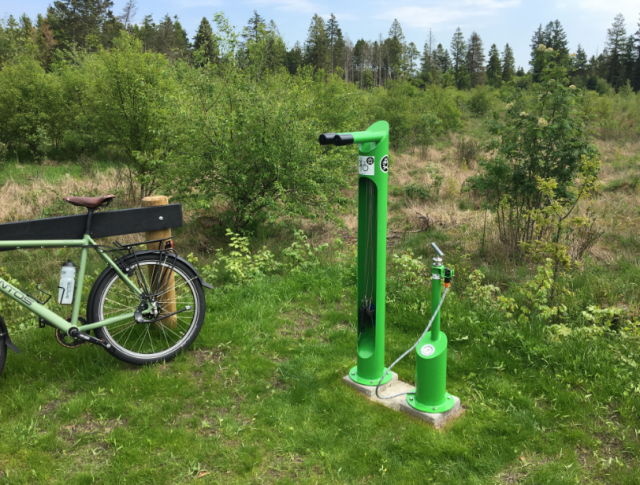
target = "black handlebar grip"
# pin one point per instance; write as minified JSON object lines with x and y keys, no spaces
{"x":341,"y":140}
{"x":335,"y":139}
{"x":327,"y":138}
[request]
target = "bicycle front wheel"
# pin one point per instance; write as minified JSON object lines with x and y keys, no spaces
{"x":168,"y":281}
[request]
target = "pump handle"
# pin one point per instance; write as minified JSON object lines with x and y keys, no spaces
{"x":440,"y":253}
{"x":336,"y":139}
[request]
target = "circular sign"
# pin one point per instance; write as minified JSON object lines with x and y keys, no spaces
{"x":384,"y":164}
{"x":427,"y":350}
{"x":370,"y":160}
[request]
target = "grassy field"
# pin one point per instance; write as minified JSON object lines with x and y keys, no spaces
{"x":259,"y":398}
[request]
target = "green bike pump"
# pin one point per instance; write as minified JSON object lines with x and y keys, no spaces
{"x":373,"y":181}
{"x":431,"y":352}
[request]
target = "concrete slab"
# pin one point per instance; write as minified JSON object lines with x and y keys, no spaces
{"x":396,"y":386}
{"x":437,"y":420}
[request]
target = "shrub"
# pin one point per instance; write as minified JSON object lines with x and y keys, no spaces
{"x":480,"y":101}
{"x":4,"y":152}
{"x":125,"y":99}
{"x":467,"y":152}
{"x":254,"y":147}
{"x":542,"y":140}
{"x":301,"y":254}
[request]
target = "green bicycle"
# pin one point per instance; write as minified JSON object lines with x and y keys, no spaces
{"x":145,"y":307}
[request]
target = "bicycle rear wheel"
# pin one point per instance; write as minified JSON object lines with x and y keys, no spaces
{"x":147,"y":343}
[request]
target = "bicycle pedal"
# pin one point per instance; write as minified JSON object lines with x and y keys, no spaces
{"x":77,"y":334}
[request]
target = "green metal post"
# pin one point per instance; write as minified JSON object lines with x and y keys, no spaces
{"x":431,"y":357}
{"x":373,"y":181}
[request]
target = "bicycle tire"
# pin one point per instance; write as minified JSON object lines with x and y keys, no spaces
{"x":141,"y":344}
{"x":3,"y":353}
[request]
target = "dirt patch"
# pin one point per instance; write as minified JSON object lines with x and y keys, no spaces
{"x":297,"y":323}
{"x":206,"y":356}
{"x":518,"y":472}
{"x":93,"y":426}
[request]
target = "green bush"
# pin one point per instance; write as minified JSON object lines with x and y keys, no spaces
{"x":31,"y":106}
{"x":251,"y":147}
{"x":416,"y":117}
{"x":542,"y":140}
{"x":480,"y":100}
{"x":125,"y":100}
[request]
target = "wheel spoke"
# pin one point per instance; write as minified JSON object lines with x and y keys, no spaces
{"x":165,"y":336}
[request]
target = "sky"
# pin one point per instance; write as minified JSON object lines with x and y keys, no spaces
{"x":496,"y":21}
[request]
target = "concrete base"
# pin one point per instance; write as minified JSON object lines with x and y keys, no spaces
{"x":437,"y":420}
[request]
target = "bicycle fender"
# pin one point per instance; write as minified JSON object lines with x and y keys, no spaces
{"x":187,"y":263}
{"x":4,"y":333}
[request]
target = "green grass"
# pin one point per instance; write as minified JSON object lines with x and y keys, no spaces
{"x":259,"y":399}
{"x":26,"y":173}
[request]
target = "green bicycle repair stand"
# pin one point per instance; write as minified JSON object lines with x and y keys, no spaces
{"x":373,"y":181}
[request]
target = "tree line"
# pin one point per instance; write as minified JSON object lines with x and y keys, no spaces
{"x":88,"y":25}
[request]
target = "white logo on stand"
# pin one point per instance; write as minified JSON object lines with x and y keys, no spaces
{"x":366,"y":165}
{"x":427,"y":350}
{"x":384,"y":164}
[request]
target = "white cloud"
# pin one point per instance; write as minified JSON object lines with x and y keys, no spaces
{"x":446,"y":13}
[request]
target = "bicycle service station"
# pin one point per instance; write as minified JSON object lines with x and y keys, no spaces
{"x":428,"y":399}
{"x":148,"y":304}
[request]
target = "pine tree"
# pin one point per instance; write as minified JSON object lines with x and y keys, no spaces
{"x":171,"y":39}
{"x":334,"y":35}
{"x":628,"y":59}
{"x":181,"y":43}
{"x":338,"y":52}
{"x":203,"y":41}
{"x":475,"y":61}
{"x":494,"y":67}
{"x":459,"y":60}
{"x":75,"y":21}
{"x":428,"y":63}
{"x":294,"y":58}
{"x":616,"y":39}
{"x":146,"y":32}
{"x":412,"y":55}
{"x":580,"y":63}
{"x":316,"y":47}
{"x":362,"y":54}
{"x":556,"y":38}
{"x":128,"y":13}
{"x":635,"y":81}
{"x":45,"y":42}
{"x":508,"y":64}
{"x":443,"y":59}
{"x":395,"y":47}
{"x":255,"y":24}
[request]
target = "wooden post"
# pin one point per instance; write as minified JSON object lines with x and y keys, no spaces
{"x":170,"y":295}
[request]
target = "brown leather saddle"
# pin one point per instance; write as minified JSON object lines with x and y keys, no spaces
{"x":90,"y":202}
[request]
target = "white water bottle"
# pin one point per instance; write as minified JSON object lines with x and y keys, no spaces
{"x":67,"y":283}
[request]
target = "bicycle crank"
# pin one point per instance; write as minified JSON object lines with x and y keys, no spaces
{"x":85,"y":337}
{"x":67,"y":340}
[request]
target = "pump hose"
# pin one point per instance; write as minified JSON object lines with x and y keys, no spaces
{"x":433,"y":317}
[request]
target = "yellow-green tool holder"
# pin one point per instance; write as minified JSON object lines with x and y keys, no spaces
{"x":373,"y":181}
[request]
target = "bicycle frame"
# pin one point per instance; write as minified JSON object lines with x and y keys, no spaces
{"x":29,"y":302}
